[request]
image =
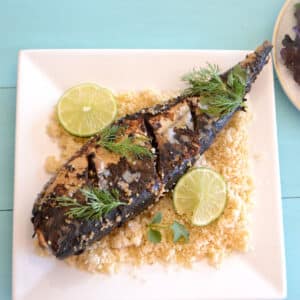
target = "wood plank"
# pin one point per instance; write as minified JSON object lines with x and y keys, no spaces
{"x":291,"y":213}
{"x":131,"y":24}
{"x":7,"y":145}
{"x":5,"y":254}
{"x":288,"y":123}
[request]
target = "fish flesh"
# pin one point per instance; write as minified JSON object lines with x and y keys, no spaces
{"x":176,"y":132}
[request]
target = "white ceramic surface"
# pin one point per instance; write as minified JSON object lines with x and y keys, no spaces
{"x":284,"y":25}
{"x":43,"y":76}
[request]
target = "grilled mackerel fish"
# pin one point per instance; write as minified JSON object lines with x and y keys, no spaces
{"x":177,"y":133}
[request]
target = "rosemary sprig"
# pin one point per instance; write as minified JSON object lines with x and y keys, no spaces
{"x":98,"y":204}
{"x":125,"y":147}
{"x":217,"y":97}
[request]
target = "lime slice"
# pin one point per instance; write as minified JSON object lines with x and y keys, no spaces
{"x":86,"y":109}
{"x":201,"y":195}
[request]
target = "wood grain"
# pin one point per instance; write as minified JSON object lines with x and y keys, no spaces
{"x":7,"y":145}
{"x":5,"y":254}
{"x":193,"y":24}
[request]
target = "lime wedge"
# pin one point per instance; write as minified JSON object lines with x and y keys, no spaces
{"x":86,"y":109}
{"x":201,"y":195}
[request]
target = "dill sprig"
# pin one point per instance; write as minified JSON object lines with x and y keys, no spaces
{"x":125,"y":147}
{"x":98,"y":204}
{"x":217,"y":97}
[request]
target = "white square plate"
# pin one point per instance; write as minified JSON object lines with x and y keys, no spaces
{"x":43,"y":76}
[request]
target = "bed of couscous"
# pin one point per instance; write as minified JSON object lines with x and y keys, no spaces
{"x":129,"y":245}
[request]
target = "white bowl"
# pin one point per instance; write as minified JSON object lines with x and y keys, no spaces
{"x":284,"y":25}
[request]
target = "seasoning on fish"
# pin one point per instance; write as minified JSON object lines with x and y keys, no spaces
{"x":176,"y":133}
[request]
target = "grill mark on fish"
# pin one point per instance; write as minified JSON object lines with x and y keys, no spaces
{"x":91,"y":172}
{"x":174,"y":157}
{"x":192,"y":132}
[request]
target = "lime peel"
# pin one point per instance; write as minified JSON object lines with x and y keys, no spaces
{"x":86,"y":109}
{"x":201,"y":195}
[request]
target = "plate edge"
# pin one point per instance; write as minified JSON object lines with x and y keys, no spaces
{"x":16,"y":159}
{"x":283,"y":292}
{"x":23,"y":54}
{"x":276,"y":67}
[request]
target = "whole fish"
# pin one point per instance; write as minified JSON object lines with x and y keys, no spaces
{"x":176,"y":133}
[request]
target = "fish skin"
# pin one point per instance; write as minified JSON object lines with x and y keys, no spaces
{"x":71,"y":236}
{"x":176,"y":141}
{"x":208,"y":127}
{"x":177,"y":133}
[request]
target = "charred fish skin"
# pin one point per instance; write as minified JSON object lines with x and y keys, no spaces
{"x":136,"y":181}
{"x":208,"y":127}
{"x":177,"y":132}
{"x":254,"y":63}
{"x":176,"y":141}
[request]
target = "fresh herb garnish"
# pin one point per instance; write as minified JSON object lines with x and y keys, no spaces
{"x":125,"y":147}
{"x":98,"y":204}
{"x":157,"y":218}
{"x":217,"y":97}
{"x":154,"y":234}
{"x":179,"y":231}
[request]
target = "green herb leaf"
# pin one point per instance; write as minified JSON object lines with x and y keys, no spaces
{"x":179,"y":232}
{"x":157,"y":218}
{"x":125,"y":147}
{"x":216,"y":96}
{"x":98,"y":204}
{"x":239,"y":73}
{"x":154,"y":236}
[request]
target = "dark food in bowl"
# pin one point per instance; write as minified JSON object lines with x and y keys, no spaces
{"x":290,"y":53}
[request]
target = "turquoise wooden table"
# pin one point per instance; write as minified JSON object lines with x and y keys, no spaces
{"x":191,"y":24}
